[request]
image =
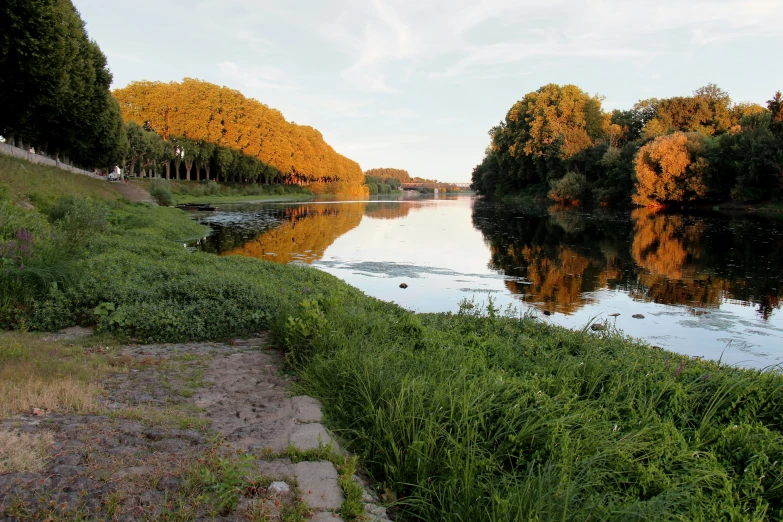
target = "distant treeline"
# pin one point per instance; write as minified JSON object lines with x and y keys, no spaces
{"x":385,"y":181}
{"x":557,"y":141}
{"x":400,"y":175}
{"x":54,"y":85}
{"x":216,"y":131}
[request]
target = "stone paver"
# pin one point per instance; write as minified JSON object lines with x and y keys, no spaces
{"x":277,"y":468}
{"x":307,"y":437}
{"x":307,"y":409}
{"x":318,"y":485}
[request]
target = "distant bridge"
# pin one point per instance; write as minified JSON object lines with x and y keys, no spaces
{"x":433,"y":185}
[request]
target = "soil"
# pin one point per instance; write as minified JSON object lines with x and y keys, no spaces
{"x":178,"y":407}
{"x":132,"y":193}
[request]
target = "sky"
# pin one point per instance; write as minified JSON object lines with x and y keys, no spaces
{"x":417,"y":84}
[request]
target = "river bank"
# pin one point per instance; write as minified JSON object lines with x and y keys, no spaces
{"x":167,"y":432}
{"x":474,"y":415}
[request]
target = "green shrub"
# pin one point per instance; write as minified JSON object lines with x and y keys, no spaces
{"x":279,"y":190}
{"x":211,"y":189}
{"x":78,"y":218}
{"x":159,"y":190}
{"x":571,"y":188}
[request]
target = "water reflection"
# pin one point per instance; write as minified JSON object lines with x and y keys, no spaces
{"x":559,"y":258}
{"x":293,"y":233}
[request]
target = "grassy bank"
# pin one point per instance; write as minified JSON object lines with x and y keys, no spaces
{"x":201,"y":192}
{"x":40,"y":185}
{"x":469,"y":416}
{"x":267,"y":198}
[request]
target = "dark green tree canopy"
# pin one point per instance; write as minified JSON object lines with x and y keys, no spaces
{"x":54,"y":86}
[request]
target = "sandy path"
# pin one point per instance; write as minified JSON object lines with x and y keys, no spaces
{"x":132,"y":192}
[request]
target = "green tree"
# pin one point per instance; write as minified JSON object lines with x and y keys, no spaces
{"x":223,"y":160}
{"x":54,"y":85}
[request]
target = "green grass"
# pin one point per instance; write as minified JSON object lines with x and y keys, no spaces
{"x":469,"y":416}
{"x":42,"y":185}
{"x":185,"y":192}
{"x":266,"y":198}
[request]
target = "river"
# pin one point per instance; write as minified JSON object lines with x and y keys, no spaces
{"x":706,"y":284}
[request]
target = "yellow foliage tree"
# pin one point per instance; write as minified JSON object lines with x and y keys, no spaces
{"x":206,"y":113}
{"x":670,"y":169}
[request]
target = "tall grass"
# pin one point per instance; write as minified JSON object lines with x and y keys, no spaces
{"x":480,"y":417}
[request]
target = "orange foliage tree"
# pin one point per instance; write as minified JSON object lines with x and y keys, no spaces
{"x":215,"y":118}
{"x":671,"y":169}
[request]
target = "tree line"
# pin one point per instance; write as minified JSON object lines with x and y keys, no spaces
{"x":55,"y":97}
{"x":558,"y":142}
{"x":205,"y":131}
{"x":54,"y":86}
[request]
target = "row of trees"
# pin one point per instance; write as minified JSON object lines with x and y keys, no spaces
{"x":149,"y":155}
{"x":381,"y":185}
{"x":220,"y":132}
{"x":558,"y":140}
{"x":400,"y":175}
{"x":54,"y":85}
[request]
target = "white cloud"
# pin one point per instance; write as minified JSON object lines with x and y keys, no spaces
{"x":257,"y":76}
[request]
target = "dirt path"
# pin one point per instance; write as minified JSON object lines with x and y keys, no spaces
{"x":202,"y":431}
{"x":132,"y":193}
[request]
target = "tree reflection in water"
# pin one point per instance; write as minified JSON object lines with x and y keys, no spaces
{"x":305,"y":233}
{"x":558,"y":257}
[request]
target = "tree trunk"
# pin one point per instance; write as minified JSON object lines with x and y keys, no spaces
{"x":168,"y":169}
{"x":206,"y":167}
{"x":188,"y":166}
{"x":177,"y":163}
{"x":132,"y":166}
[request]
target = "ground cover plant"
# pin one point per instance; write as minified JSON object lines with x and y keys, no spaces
{"x":469,"y":416}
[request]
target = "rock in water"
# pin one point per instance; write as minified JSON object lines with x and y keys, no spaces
{"x":403,"y":285}
{"x":596,"y":327}
{"x":637,"y":316}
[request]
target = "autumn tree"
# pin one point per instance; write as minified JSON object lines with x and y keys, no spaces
{"x":670,"y":169}
{"x":775,"y":106}
{"x":195,"y":112}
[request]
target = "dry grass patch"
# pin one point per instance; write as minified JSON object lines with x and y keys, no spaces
{"x":48,"y":375}
{"x":23,"y":452}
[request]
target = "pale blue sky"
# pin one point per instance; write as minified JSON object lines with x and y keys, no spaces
{"x":416,"y":84}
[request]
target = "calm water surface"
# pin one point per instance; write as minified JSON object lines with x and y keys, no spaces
{"x":707,"y":284}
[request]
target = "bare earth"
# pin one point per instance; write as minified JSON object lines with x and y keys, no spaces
{"x":131,"y":461}
{"x":131,"y":192}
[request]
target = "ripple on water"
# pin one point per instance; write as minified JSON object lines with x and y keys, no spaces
{"x":742,"y":346}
